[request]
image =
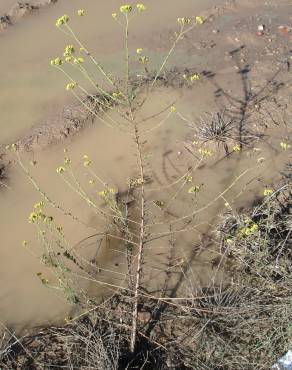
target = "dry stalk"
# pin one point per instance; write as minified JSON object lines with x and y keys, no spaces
{"x":141,"y":245}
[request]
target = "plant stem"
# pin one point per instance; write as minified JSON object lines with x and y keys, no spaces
{"x":141,"y":245}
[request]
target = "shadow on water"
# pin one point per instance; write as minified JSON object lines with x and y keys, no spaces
{"x":241,"y":109}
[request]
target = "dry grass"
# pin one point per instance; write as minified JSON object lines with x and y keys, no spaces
{"x":241,"y":325}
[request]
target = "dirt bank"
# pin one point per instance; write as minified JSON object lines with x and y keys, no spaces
{"x":22,"y":9}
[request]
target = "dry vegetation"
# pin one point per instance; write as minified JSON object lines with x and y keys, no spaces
{"x":242,"y":325}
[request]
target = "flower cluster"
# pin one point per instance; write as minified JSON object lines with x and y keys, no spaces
{"x":143,"y":60}
{"x":284,"y":146}
{"x":56,"y":62}
{"x":71,"y":86}
{"x":183,"y":21}
{"x":39,"y":216}
{"x":125,"y":9}
{"x":195,"y":77}
{"x":69,"y":50}
{"x":236,"y":148}
{"x":192,"y":78}
{"x":62,"y":20}
{"x":268,"y":192}
{"x":39,"y":205}
{"x":199,"y":20}
{"x":194,"y":189}
{"x":60,"y":170}
{"x":81,"y":12}
{"x":105,"y":193}
{"x":141,"y":7}
{"x":205,"y":152}
{"x":87,"y":161}
{"x":250,"y":229}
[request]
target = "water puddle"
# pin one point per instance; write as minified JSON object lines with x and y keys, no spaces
{"x":25,"y":54}
{"x":114,"y":160}
{"x":181,"y":218}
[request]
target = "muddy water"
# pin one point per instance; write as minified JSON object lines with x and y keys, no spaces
{"x":6,"y":5}
{"x":25,"y":301}
{"x":24,"y":101}
{"x":28,"y":46}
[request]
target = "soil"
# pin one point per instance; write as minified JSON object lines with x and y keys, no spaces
{"x":20,"y":10}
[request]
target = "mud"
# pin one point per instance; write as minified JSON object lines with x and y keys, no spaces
{"x":21,"y":9}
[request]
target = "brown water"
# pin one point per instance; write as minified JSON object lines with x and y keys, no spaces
{"x":24,"y":300}
{"x":31,"y":92}
{"x":28,"y":46}
{"x":6,"y":5}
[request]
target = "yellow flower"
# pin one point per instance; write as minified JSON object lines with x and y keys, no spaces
{"x":139,"y":51}
{"x":199,"y":20}
{"x":173,"y":109}
{"x":40,"y":204}
{"x":60,"y":170}
{"x":205,"y":152}
{"x":24,"y":243}
{"x":67,"y":161}
{"x":194,"y":189}
{"x":81,"y":12}
{"x":141,"y":7}
{"x":69,"y":59}
{"x":144,"y":60}
{"x":195,"y":77}
{"x":69,"y":50}
{"x":103,"y":193}
{"x":33,"y":217}
{"x":189,"y":178}
{"x":87,"y":163}
{"x":62,"y":20}
{"x":126,"y":9}
{"x":284,"y":146}
{"x":236,"y":148}
{"x":183,"y":21}
{"x":79,"y":60}
{"x":114,"y":15}
{"x":268,"y":192}
{"x":56,"y":62}
{"x":71,"y":86}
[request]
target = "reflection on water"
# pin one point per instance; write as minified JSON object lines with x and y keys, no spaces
{"x":31,"y":89}
{"x":23,"y":298}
